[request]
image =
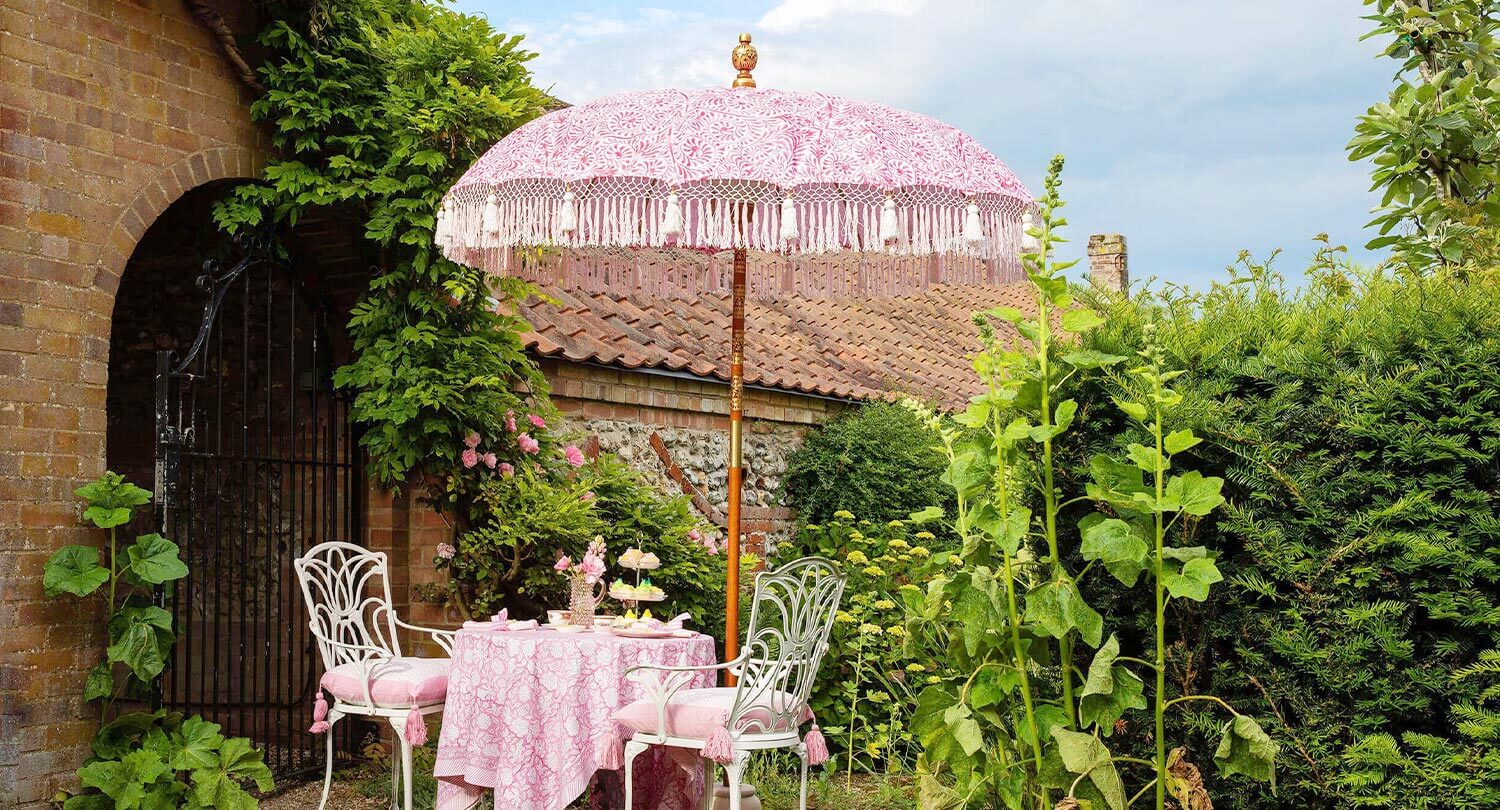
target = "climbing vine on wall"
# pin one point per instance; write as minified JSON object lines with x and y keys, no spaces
{"x":376,"y":107}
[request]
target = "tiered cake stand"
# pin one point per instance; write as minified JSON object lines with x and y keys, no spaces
{"x":632,"y":600}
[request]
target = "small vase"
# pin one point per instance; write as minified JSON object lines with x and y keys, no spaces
{"x":581,"y":604}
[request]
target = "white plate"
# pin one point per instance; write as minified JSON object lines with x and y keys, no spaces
{"x":567,"y":628}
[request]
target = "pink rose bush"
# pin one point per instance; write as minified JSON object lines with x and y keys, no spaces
{"x":470,"y":458}
{"x":446,"y":551}
{"x":574,"y":455}
{"x":527,"y":444}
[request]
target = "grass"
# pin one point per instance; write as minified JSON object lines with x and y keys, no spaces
{"x":775,"y":778}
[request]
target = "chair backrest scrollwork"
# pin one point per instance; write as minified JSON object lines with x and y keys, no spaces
{"x":348,"y":594}
{"x":790,"y":620}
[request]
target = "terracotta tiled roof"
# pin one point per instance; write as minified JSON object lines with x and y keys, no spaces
{"x":846,"y":348}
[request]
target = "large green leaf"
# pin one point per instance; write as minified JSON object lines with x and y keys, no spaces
{"x":1246,"y":748}
{"x":1146,"y":457}
{"x":199,"y":744}
{"x":1110,"y":690}
{"x":100,"y":683}
{"x":964,"y":728}
{"x":1114,"y":543}
{"x":75,"y":570}
{"x":1193,"y":494}
{"x":1180,"y":440}
{"x":119,"y":736}
{"x":1192,"y":580}
{"x":974,"y":610}
{"x":1081,"y":320}
{"x":142,"y":638}
{"x":124,"y":780}
{"x":1058,"y":608}
{"x":154,"y":560}
{"x":1086,"y":754}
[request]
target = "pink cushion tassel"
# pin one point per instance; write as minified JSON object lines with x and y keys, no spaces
{"x":320,"y":716}
{"x":817,"y":748}
{"x":720,"y":746}
{"x":416,"y":728}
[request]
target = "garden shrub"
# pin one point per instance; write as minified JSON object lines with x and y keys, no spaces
{"x":1356,"y":422}
{"x":873,"y":670}
{"x":865,"y":462}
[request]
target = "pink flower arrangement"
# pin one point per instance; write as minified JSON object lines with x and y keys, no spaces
{"x":507,"y":470}
{"x":489,"y":460}
{"x":528,"y":444}
{"x":536,"y":421}
{"x":471,"y":441}
{"x":445,"y":551}
{"x":590,"y":569}
{"x":574,"y":455}
{"x":470,"y":458}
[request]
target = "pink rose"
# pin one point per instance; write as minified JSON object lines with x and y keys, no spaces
{"x":563,"y":563}
{"x":470,"y":458}
{"x":472,"y":440}
{"x":575,"y":456}
{"x":695,"y":536}
{"x":507,"y":470}
{"x":527,"y":444}
{"x":510,"y":421}
{"x":593,"y":568}
{"x":587,"y":497}
{"x":536,"y":421}
{"x":490,"y":460}
{"x":446,"y":551}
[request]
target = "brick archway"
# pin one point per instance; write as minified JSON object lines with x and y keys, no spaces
{"x":170,"y":183}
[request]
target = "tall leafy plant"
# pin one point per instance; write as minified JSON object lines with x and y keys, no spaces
{"x":1023,"y":724}
{"x":1436,"y":141}
{"x":142,"y":759}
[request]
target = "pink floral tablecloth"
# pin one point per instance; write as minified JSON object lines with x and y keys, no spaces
{"x":528,"y":715}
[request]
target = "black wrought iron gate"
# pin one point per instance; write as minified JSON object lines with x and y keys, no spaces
{"x":255,"y":462}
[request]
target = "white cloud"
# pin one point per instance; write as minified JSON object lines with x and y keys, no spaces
{"x":793,"y":14}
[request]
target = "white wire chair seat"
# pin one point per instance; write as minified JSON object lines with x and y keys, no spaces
{"x":348,"y":595}
{"x":790,"y":621}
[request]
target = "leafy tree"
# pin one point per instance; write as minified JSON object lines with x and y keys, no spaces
{"x":1436,"y":141}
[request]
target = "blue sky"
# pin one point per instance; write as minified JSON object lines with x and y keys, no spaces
{"x":1197,"y":128}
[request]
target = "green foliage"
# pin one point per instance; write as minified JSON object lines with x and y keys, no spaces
{"x":518,"y":524}
{"x":377,"y":107}
{"x":143,"y":760}
{"x":876,"y":664}
{"x":1355,"y":422}
{"x":1014,"y":727}
{"x":864,"y":462}
{"x":1436,"y":141}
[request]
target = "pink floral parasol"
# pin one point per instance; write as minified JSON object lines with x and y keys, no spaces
{"x":806,"y":193}
{"x":793,"y":177}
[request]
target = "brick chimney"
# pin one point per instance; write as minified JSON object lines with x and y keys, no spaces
{"x":1107,"y":262}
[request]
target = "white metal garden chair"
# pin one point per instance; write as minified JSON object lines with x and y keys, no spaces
{"x":348,"y":593}
{"x":790,"y":621}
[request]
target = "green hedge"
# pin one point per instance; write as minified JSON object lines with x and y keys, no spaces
{"x":1357,"y":423}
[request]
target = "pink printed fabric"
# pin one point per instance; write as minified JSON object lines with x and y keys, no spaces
{"x":788,"y":140}
{"x":394,"y":682}
{"x":798,"y":179}
{"x":529,"y":715}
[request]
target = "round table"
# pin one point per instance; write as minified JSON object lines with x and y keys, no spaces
{"x":529,"y":716}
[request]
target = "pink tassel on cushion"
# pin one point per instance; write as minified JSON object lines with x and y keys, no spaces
{"x":320,"y":716}
{"x":720,"y":746}
{"x":817,"y":747}
{"x":416,"y":728}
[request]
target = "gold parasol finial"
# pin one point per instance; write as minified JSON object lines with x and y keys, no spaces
{"x":744,"y":58}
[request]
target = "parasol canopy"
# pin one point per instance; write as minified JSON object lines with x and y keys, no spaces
{"x":806,"y":193}
{"x":797,"y":178}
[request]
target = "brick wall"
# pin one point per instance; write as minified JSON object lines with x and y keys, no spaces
{"x":109,"y":111}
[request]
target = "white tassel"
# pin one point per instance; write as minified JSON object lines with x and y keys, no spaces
{"x":1029,"y":243}
{"x":491,"y":222}
{"x":567,"y":215}
{"x":440,"y":233}
{"x":671,"y":219}
{"x":889,"y":231}
{"x":973,"y":230}
{"x":789,"y":232}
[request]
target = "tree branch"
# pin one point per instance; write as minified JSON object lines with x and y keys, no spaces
{"x":215,"y":25}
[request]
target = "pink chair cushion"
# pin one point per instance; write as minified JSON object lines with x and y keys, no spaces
{"x":694,"y":713}
{"x":396,"y":682}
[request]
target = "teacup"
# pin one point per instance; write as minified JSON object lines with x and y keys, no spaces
{"x":557,"y":617}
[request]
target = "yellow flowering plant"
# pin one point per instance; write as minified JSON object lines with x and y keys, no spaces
{"x":876,"y":664}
